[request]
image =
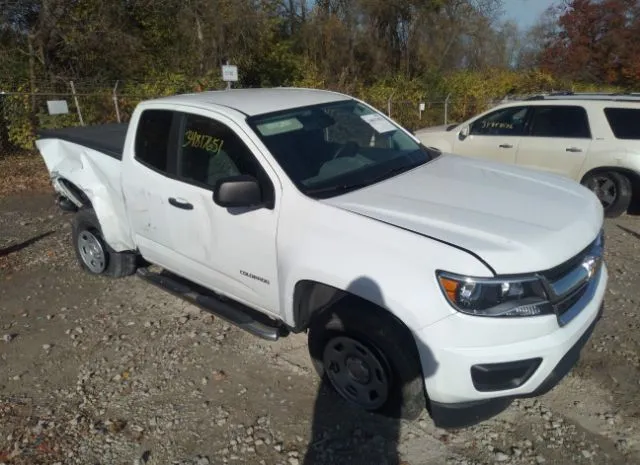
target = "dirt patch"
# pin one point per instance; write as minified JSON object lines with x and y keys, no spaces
{"x":115,"y":371}
{"x":23,"y":174}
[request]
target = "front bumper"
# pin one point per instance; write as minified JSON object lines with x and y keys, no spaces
{"x":450,"y":348}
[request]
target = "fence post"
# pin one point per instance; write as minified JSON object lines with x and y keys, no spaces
{"x":115,"y":101}
{"x":3,"y":121}
{"x":75,"y":99}
{"x":446,"y":109}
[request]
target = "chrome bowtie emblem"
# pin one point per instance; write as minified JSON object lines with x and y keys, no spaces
{"x":590,"y":264}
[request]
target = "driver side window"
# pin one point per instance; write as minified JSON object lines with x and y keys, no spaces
{"x":210,"y":150}
{"x":505,"y":122}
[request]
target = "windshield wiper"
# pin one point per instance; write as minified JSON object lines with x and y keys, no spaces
{"x":392,"y":171}
{"x":339,"y":188}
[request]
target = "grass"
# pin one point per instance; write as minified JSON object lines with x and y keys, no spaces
{"x":23,"y":174}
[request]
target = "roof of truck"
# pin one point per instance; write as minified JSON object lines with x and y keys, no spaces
{"x":258,"y":101}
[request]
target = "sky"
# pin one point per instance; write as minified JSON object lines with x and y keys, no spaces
{"x":526,"y":12}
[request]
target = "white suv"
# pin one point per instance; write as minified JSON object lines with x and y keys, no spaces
{"x":591,"y":138}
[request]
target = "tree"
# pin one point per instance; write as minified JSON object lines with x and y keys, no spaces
{"x":596,"y":42}
{"x":274,"y":42}
{"x":538,"y":38}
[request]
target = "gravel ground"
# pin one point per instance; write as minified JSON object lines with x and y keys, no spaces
{"x":100,"y":371}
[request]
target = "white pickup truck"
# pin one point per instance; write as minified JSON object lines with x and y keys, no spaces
{"x":423,"y":279}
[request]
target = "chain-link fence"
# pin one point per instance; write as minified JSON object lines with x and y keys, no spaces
{"x":22,"y":113}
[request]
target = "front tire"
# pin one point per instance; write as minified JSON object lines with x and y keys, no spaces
{"x":93,"y":253}
{"x":613,"y":189}
{"x":368,"y":358}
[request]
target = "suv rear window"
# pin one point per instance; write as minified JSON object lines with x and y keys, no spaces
{"x":624,"y":122}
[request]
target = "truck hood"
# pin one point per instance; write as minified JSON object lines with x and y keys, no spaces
{"x":517,"y":220}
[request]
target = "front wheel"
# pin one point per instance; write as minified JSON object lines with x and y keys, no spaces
{"x":92,"y":251}
{"x":368,"y":358}
{"x":612,"y":189}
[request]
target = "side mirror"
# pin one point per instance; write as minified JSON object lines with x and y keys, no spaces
{"x":464,"y":133}
{"x":237,"y":192}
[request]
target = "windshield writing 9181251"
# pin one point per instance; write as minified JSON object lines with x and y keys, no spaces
{"x":202,"y":141}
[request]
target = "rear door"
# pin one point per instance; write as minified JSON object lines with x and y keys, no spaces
{"x":494,"y":136}
{"x":558,"y":140}
{"x":145,"y":175}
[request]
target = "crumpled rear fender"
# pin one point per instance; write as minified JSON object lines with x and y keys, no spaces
{"x":97,"y":176}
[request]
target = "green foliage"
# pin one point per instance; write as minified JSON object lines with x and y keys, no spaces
{"x":20,"y":127}
{"x":391,"y":54}
{"x":473,"y":91}
{"x":277,"y":66}
{"x":470,"y":92}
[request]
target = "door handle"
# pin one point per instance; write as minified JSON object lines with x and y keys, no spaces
{"x":505,"y":146}
{"x":179,"y":203}
{"x":573,"y":149}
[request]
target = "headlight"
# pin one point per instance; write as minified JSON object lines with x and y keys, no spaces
{"x":494,"y":296}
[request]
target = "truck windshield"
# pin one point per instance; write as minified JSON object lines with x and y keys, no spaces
{"x":333,"y":148}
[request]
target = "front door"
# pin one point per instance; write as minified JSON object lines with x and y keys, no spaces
{"x":232,"y":252}
{"x":494,"y":136}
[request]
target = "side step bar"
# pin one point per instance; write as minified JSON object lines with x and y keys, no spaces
{"x":230,"y":311}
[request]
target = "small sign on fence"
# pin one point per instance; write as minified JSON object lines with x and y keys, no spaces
{"x":229,"y":73}
{"x":57,"y":107}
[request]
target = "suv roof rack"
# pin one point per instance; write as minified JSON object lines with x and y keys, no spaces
{"x":614,"y":96}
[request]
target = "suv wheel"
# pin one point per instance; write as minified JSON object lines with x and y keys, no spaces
{"x":612,"y":189}
{"x":368,"y":359}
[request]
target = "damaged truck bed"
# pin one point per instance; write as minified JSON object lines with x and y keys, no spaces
{"x":85,"y":164}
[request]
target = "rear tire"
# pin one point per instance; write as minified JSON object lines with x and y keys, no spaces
{"x":94,"y":255}
{"x":368,"y":358}
{"x":614,"y":190}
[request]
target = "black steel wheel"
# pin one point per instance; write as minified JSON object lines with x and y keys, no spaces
{"x":368,"y":358}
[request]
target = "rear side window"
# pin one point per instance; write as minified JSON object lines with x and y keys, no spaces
{"x":152,"y":138}
{"x":624,"y":122}
{"x":560,"y":121}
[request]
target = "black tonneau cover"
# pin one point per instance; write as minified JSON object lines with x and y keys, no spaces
{"x":105,"y":138}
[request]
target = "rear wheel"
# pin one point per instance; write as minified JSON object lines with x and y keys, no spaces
{"x":368,"y":358}
{"x":613,"y":189}
{"x":92,"y":251}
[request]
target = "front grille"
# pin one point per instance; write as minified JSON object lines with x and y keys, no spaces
{"x":569,"y":301}
{"x":563,"y":269}
{"x":568,"y":282}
